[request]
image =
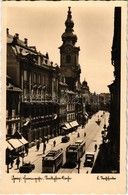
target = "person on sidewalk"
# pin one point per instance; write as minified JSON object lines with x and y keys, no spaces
{"x":12,"y":162}
{"x":78,"y":135}
{"x":38,"y":146}
{"x":83,"y":126}
{"x":18,"y":162}
{"x":84,"y":134}
{"x":54,"y":143}
{"x":95,"y":147}
{"x":26,"y":150}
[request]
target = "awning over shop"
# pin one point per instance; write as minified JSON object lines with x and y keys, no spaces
{"x":67,"y":125}
{"x":74,"y":124}
{"x":23,"y":141}
{"x":65,"y":128}
{"x":15,"y":143}
{"x":9,"y":146}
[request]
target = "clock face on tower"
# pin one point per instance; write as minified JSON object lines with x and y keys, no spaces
{"x":68,"y":49}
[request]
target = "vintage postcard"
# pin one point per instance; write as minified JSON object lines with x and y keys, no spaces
{"x":64,"y":97}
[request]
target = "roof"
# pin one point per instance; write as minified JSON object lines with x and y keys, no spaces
{"x":53,"y":154}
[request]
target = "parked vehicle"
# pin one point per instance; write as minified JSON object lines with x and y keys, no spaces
{"x":27,"y":167}
{"x":75,"y":152}
{"x":65,"y":139}
{"x":89,"y":159}
{"x":52,"y":161}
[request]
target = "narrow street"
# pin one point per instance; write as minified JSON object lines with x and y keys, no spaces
{"x":93,"y":136}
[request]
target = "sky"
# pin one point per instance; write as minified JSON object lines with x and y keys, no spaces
{"x":93,"y":24}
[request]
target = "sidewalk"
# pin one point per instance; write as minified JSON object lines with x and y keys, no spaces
{"x":34,"y":155}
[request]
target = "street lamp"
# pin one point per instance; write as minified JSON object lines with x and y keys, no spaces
{"x":8,"y":157}
{"x":79,"y":162}
{"x":43,"y":163}
{"x":22,"y":156}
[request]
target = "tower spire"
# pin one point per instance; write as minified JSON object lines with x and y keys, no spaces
{"x":69,"y":22}
{"x":69,"y":54}
{"x":68,"y":36}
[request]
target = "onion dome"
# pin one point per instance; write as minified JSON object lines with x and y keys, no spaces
{"x":68,"y":34}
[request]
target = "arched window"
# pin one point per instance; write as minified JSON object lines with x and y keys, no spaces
{"x":68,"y":59}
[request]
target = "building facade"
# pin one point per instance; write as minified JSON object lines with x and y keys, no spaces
{"x":114,"y":127}
{"x":38,"y":78}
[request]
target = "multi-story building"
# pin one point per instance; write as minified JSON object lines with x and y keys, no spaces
{"x":104,"y":101}
{"x":38,"y":78}
{"x":114,"y":127}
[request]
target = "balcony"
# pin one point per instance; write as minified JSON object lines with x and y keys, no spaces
{"x":13,"y":119}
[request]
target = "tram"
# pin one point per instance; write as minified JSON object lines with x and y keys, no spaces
{"x":52,"y":161}
{"x":81,"y":144}
{"x":74,"y":152}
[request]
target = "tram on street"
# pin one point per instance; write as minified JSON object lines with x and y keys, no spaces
{"x":74,"y":152}
{"x":52,"y":161}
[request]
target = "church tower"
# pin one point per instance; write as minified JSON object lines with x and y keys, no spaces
{"x":69,"y":55}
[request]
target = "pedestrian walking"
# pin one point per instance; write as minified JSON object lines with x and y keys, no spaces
{"x":54,"y":143}
{"x":18,"y":162}
{"x":26,"y":150}
{"x":78,"y":135}
{"x":83,"y":125}
{"x":95,"y":147}
{"x":12,"y":162}
{"x":38,"y":146}
{"x":84,"y":134}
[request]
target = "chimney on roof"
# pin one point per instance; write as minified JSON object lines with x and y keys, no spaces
{"x":17,"y":35}
{"x":7,"y":31}
{"x":26,"y":41}
{"x":15,"y":38}
{"x":47,"y":56}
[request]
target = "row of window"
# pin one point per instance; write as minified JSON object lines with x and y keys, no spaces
{"x":35,"y":77}
{"x":35,"y":112}
{"x":12,"y":128}
{"x":71,"y":117}
{"x":12,"y":113}
{"x":70,"y":107}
